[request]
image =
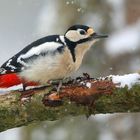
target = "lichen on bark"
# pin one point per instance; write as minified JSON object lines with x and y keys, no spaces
{"x":102,"y":96}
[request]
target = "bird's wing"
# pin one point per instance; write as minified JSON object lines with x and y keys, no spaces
{"x":44,"y":46}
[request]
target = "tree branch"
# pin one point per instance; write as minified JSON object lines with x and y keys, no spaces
{"x":84,"y":96}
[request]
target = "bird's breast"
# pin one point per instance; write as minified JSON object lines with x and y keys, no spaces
{"x":69,"y":66}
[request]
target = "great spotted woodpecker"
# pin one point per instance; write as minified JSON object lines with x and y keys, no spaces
{"x":49,"y":58}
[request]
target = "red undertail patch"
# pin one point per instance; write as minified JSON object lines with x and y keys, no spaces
{"x":9,"y":80}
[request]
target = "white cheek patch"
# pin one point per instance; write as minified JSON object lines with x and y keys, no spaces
{"x":73,"y":36}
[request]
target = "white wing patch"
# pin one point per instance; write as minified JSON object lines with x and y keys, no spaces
{"x":10,"y":66}
{"x":46,"y":47}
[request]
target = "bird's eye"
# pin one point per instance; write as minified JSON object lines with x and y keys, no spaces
{"x":82,"y":32}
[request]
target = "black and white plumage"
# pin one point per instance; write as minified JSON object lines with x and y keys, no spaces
{"x":52,"y":57}
{"x":41,"y":47}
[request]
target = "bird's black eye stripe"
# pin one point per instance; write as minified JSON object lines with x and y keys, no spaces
{"x":82,"y":32}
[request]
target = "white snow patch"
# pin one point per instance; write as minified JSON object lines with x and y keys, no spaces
{"x":126,"y":80}
{"x":67,"y":2}
{"x":11,"y":134}
{"x":79,"y":9}
{"x":72,"y":2}
{"x":88,"y":85}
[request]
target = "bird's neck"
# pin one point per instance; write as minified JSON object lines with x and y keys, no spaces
{"x":71,"y":46}
{"x":81,"y":50}
{"x":78,"y":50}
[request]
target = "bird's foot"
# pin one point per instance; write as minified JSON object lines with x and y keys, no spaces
{"x":68,"y":80}
{"x":53,"y":99}
{"x":57,"y":85}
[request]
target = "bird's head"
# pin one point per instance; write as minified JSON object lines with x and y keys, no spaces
{"x":79,"y":38}
{"x":81,"y":34}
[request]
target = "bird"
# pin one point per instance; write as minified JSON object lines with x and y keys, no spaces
{"x":49,"y":58}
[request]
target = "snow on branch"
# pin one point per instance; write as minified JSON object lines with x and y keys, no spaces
{"x":126,"y":80}
{"x":83,"y":95}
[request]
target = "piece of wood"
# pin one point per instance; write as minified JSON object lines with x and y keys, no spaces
{"x":86,"y":96}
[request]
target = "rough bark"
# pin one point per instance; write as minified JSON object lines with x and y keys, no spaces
{"x":84,"y":97}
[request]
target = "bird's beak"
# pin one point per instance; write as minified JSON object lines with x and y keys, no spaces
{"x":96,"y":36}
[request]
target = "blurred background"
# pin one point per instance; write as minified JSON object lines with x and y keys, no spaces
{"x":22,"y":22}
